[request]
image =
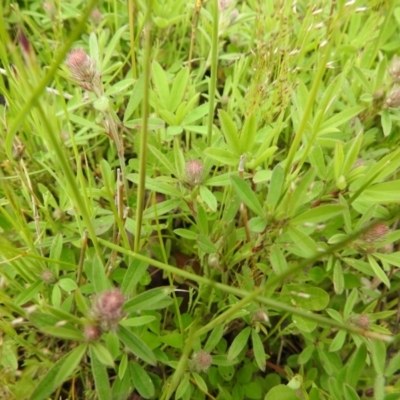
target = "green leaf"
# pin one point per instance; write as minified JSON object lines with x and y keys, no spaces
{"x":378,"y":353}
{"x":230,"y":132}
{"x":186,"y":233}
{"x":111,"y":45}
{"x":134,"y":273}
{"x":281,"y":392}
{"x":275,"y":186}
{"x":196,"y":114}
{"x":29,"y":293}
{"x":136,"y":345}
{"x":206,"y":245}
{"x":119,"y":87}
{"x":352,"y":154}
{"x":306,"y":296}
{"x":340,"y":118}
{"x":162,"y":208}
{"x":67,"y":284}
{"x":356,"y":366}
{"x":222,"y":156}
{"x":386,"y":122}
{"x":208,"y":198}
{"x":351,"y":301}
{"x":178,"y":89}
{"x":248,"y":135}
{"x":156,"y":185}
{"x":99,"y":277}
{"x":200,"y":382}
{"x":258,"y":350}
{"x":63,"y":332}
{"x":338,"y":341}
{"x":378,"y":271}
{"x":247,"y":195}
{"x":214,"y":338}
{"x":338,"y":159}
{"x":55,"y":253}
{"x":387,"y":192}
{"x":393,"y":366}
{"x":102,"y":354}
{"x":135,"y":98}
{"x":143,"y":384}
{"x":152,"y":299}
{"x":183,"y":386}
{"x":138,"y":321}
{"x":350,"y":393}
{"x":179,"y":159}
{"x":305,"y":245}
{"x":59,"y":373}
{"x":318,"y":214}
{"x":239,"y":343}
{"x":161,"y":85}
{"x":100,"y":376}
{"x":306,"y":354}
{"x":164,"y":161}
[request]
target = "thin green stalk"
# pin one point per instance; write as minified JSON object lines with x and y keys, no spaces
{"x":307,"y":111}
{"x":74,"y":192}
{"x":182,"y":365}
{"x":41,"y":87}
{"x":145,"y":116}
{"x":213,"y":78}
{"x":131,"y":15}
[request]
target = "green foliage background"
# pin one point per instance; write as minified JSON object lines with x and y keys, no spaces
{"x":279,"y":259}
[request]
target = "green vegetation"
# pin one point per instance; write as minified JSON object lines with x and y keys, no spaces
{"x":199,"y":200}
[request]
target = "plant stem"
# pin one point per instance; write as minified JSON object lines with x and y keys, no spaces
{"x":145,"y":116}
{"x":213,"y":78}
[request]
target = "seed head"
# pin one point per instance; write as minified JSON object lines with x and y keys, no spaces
{"x":259,"y":315}
{"x":394,"y":69}
{"x":96,"y":16}
{"x":194,"y":172}
{"x":393,"y":98}
{"x":360,"y":320}
{"x":92,"y":332}
{"x":375,"y":234}
{"x":200,"y":361}
{"x":48,"y":277}
{"x":107,"y":308}
{"x":84,"y":70}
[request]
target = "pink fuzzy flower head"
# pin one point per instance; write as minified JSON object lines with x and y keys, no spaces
{"x":96,"y":16}
{"x":201,"y":361}
{"x":375,"y":234}
{"x":107,"y":308}
{"x":360,"y":320}
{"x":194,"y":172}
{"x":84,"y":70}
{"x":92,"y":332}
{"x":48,"y":277}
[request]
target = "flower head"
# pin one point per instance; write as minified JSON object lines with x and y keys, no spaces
{"x":259,"y":315}
{"x":393,"y":98}
{"x":194,"y":172}
{"x":394,"y":69}
{"x":48,"y":276}
{"x":360,"y":320}
{"x":376,"y":234}
{"x":84,"y":70}
{"x":107,"y":308}
{"x":200,"y":361}
{"x":92,"y":332}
